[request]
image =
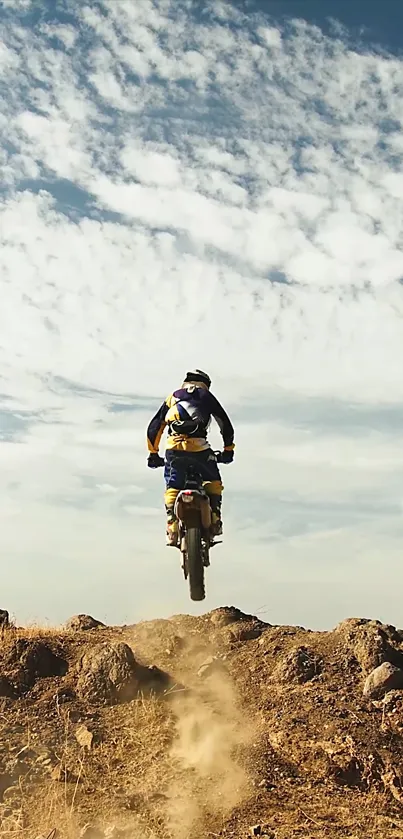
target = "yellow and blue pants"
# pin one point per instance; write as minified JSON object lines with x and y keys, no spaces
{"x":176,"y":465}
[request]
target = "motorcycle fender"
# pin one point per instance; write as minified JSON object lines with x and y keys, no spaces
{"x":200,"y":504}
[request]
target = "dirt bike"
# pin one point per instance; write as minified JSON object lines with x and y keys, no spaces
{"x":193,"y":511}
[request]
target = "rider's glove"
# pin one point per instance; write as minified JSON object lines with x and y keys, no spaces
{"x":227,"y":456}
{"x":154,"y":460}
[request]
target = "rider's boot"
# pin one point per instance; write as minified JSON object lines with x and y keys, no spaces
{"x":172,"y":528}
{"x":216,"y":520}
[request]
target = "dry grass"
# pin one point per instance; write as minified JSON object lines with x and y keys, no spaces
{"x":96,"y":784}
{"x":31,"y":631}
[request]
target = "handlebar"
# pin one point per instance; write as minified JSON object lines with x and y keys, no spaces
{"x":161,"y":461}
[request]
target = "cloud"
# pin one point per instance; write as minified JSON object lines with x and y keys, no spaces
{"x":217,"y":190}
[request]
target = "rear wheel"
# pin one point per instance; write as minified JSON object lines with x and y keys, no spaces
{"x":195,"y":566}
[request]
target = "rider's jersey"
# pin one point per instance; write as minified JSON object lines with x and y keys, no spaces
{"x":187,"y":412}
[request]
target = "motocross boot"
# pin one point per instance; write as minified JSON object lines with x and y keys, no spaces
{"x":216,"y":521}
{"x":172,"y":532}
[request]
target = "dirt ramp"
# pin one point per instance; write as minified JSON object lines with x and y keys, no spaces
{"x":221,"y":725}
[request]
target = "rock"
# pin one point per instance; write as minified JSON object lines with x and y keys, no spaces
{"x":108,"y":674}
{"x":83,"y":623}
{"x":299,"y":665}
{"x":32,"y":660}
{"x":4,"y":618}
{"x":84,"y":737}
{"x":228,"y":614}
{"x":45,"y":762}
{"x":391,"y":698}
{"x":370,"y":642}
{"x":45,"y":758}
{"x":383,"y":679}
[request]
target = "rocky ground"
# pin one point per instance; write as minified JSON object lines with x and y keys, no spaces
{"x":218,"y":726}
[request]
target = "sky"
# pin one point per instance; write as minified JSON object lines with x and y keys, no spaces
{"x":214,"y":185}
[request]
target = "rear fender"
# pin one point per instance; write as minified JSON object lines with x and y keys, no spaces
{"x":194,"y":511}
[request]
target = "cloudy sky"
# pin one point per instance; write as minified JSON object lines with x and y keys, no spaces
{"x":215,"y":185}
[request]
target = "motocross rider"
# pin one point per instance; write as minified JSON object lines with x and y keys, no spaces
{"x":187,"y":412}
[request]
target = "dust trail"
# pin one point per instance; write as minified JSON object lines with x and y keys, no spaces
{"x":210,"y":734}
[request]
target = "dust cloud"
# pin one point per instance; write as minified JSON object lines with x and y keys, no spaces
{"x":211,"y":733}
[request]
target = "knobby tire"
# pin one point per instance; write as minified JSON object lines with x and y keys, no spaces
{"x":195,"y":564}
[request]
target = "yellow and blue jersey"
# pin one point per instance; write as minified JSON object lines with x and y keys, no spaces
{"x":187,"y":413}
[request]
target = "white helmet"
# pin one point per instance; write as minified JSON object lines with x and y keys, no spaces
{"x":198,"y":376}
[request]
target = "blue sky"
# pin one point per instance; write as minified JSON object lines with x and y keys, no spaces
{"x":220,"y":186}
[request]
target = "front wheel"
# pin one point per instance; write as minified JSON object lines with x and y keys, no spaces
{"x":195,"y":566}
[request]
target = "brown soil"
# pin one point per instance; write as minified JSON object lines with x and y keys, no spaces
{"x":218,"y":726}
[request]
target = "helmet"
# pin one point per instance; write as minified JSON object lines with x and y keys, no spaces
{"x":198,"y":376}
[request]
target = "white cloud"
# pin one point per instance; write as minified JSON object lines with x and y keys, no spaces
{"x":18,"y":5}
{"x":64,"y":33}
{"x":188,"y":191}
{"x":150,"y":167}
{"x":271,"y":36}
{"x":8,"y":59}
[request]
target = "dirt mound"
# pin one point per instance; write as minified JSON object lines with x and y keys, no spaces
{"x":25,"y":660}
{"x":220,"y":725}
